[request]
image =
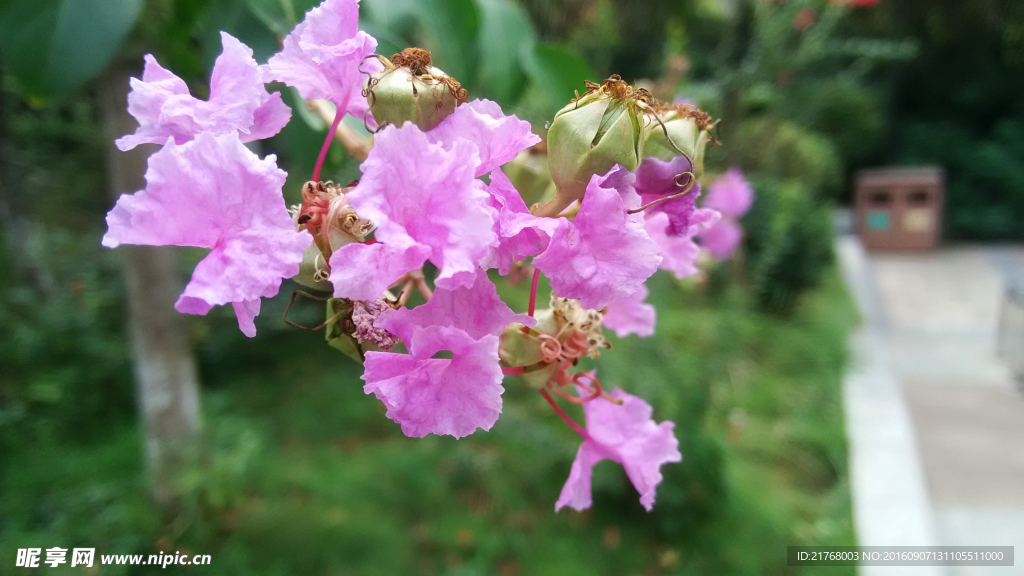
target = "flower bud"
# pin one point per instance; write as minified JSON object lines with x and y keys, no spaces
{"x":689,"y":130}
{"x":409,"y":89}
{"x":325,"y":213}
{"x":596,"y":131}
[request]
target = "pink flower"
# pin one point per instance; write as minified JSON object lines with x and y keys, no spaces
{"x":604,"y":254}
{"x":625,"y":434}
{"x":631,"y":315}
{"x":657,"y":179}
{"x":679,"y":253}
{"x":433,"y":395}
{"x":238,"y":102}
{"x":722,"y":239}
{"x":520,"y":233}
{"x":214,"y":193}
{"x":476,"y":310}
{"x":326,"y":56}
{"x":427,"y":395}
{"x":730,"y":194}
{"x":426,"y":204}
{"x":498,"y":138}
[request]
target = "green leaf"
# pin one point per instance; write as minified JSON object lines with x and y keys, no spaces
{"x":55,"y":46}
{"x":558,"y":72}
{"x":450,"y":28}
{"x":505,"y":36}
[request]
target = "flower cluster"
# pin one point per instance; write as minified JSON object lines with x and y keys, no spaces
{"x":433,"y":213}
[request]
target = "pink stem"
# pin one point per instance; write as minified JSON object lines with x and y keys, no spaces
{"x":513,"y":371}
{"x":338,"y":115}
{"x":558,"y":410}
{"x":533,"y":291}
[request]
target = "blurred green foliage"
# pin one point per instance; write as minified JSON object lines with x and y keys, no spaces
{"x":303,"y":474}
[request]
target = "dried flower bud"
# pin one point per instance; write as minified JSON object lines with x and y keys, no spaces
{"x":325,"y":213}
{"x":409,"y":89}
{"x":689,"y":130}
{"x":596,"y":131}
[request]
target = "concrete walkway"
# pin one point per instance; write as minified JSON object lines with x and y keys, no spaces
{"x":933,"y":318}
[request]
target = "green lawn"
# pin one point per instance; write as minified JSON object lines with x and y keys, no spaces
{"x":304,"y":475}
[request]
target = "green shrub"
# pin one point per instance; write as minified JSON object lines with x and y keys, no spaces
{"x":985,"y":175}
{"x":775,"y":148}
{"x":789,"y":240}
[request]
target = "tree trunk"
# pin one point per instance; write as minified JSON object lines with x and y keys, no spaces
{"x":165,"y":371}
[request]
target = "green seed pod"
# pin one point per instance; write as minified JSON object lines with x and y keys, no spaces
{"x":689,"y":130}
{"x":598,"y":130}
{"x":409,"y":89}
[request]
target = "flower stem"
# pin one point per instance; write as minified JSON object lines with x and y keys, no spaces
{"x":558,"y":410}
{"x":533,"y":291}
{"x":338,"y":115}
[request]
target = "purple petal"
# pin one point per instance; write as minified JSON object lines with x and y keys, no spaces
{"x":239,"y":102}
{"x":417,"y":192}
{"x":730,"y":194}
{"x":520,"y":233}
{"x":365,"y":271}
{"x":436,"y":395}
{"x":631,"y":315}
{"x":215,"y":193}
{"x":625,"y":434}
{"x":576,"y":492}
{"x":722,"y":239}
{"x":498,"y":138}
{"x":656,"y":179}
{"x":326,"y":56}
{"x":679,"y":253}
{"x":476,"y":310}
{"x":604,"y":254}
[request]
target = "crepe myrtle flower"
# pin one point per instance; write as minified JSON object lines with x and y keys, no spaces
{"x":631,"y":315}
{"x":214,"y":193}
{"x":421,"y":191}
{"x":327,"y":56}
{"x":432,"y":190}
{"x":239,"y":102}
{"x":619,"y":428}
{"x":680,"y":252}
{"x":455,"y":396}
{"x":732,"y":196}
{"x":618,"y":425}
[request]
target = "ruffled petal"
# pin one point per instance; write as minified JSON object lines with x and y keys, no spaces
{"x":441,"y":396}
{"x":679,"y":253}
{"x":626,"y":434}
{"x":364,"y":272}
{"x":520,"y":233}
{"x":325,"y":56}
{"x":722,"y":239}
{"x":417,"y":192}
{"x":215,"y":193}
{"x":239,"y":102}
{"x":631,"y":315}
{"x":604,"y":254}
{"x":576,"y":492}
{"x":498,"y":138}
{"x":271,"y":116}
{"x":476,"y":310}
{"x":657,"y":179}
{"x":730,"y":194}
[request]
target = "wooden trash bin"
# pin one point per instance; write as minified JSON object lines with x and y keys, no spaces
{"x":899,"y":208}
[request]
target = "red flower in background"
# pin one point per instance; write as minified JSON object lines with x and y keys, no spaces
{"x":804,"y":18}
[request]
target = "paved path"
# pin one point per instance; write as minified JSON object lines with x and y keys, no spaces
{"x":936,"y":315}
